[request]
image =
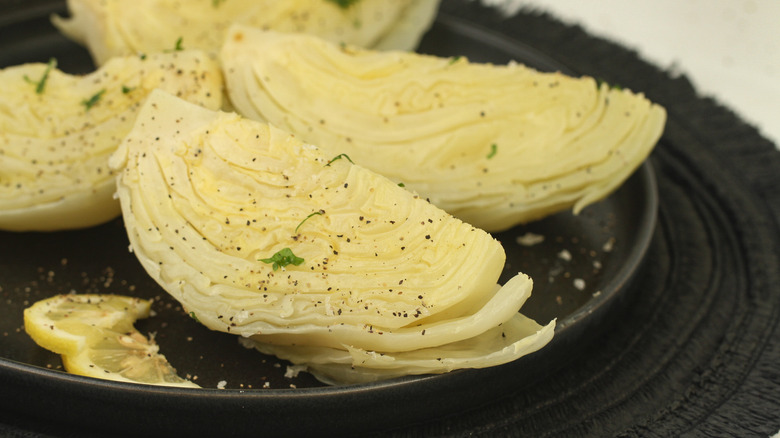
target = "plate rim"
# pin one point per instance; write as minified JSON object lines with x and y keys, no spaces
{"x":20,"y":373}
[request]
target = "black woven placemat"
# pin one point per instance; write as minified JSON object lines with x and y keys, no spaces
{"x":698,"y":351}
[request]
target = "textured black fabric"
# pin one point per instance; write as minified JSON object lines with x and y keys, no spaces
{"x":698,"y":351}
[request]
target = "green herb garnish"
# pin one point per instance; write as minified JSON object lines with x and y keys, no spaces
{"x":343,"y":4}
{"x":401,"y":184}
{"x":126,"y":89}
{"x":493,"y":151}
{"x":178,"y":47}
{"x":193,"y":316}
{"x":316,"y":213}
{"x":283,"y":258}
{"x":89,"y":103}
{"x":454,"y":59}
{"x":600,"y":81}
{"x":40,"y":84}
{"x":216,"y":3}
{"x":338,"y":157}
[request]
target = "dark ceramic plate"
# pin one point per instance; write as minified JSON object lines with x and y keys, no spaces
{"x":581,"y":271}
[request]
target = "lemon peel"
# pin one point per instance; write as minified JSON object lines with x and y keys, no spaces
{"x":95,"y":336}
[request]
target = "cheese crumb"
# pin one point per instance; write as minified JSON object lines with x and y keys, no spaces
{"x":564,"y":255}
{"x":293,"y":370}
{"x":530,"y":239}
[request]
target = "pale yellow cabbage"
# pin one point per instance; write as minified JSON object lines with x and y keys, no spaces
{"x":58,"y":130}
{"x":493,"y":145}
{"x":208,"y":197}
{"x":118,"y":28}
{"x":518,"y":336}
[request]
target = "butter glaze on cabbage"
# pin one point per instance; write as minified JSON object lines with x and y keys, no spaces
{"x":207,"y":195}
{"x":118,"y":28}
{"x":493,"y":145}
{"x":55,"y":141}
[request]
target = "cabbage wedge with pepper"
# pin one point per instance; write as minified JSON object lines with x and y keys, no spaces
{"x":309,"y":256}
{"x":494,"y":145}
{"x":58,"y":130}
{"x":118,"y":28}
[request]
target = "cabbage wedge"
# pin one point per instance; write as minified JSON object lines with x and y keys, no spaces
{"x":495,"y":146}
{"x":58,"y":130}
{"x":119,"y":28}
{"x":318,"y":260}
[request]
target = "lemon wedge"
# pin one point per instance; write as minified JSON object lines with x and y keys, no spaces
{"x":95,"y":336}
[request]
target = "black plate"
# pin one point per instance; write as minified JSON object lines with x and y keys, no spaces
{"x":581,"y":270}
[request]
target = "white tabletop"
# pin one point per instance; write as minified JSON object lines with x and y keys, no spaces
{"x":729,"y":49}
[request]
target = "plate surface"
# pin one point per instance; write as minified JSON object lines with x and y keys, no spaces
{"x":581,"y":269}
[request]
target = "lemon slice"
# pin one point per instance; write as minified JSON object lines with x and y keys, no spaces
{"x":96,"y":338}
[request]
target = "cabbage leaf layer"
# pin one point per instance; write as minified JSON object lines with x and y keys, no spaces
{"x":58,"y":130}
{"x":495,"y":145}
{"x":261,"y":235}
{"x":118,"y":28}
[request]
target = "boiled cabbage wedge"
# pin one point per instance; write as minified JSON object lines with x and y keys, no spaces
{"x":495,"y":145}
{"x":118,"y":28}
{"x":309,"y":256}
{"x":57,"y":131}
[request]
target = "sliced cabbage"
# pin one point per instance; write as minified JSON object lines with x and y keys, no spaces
{"x":518,"y":336}
{"x":493,"y":145}
{"x":119,"y":28}
{"x":261,"y":235}
{"x":58,"y":130}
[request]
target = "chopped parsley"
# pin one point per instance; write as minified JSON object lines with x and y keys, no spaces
{"x":338,"y":157}
{"x":316,"y":213}
{"x":40,"y":84}
{"x":126,"y":89}
{"x":178,"y":47}
{"x":400,"y":184}
{"x":343,"y":4}
{"x":454,"y":59}
{"x":493,"y":151}
{"x":600,"y":81}
{"x":92,"y":101}
{"x":193,"y":316}
{"x":283,"y":258}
